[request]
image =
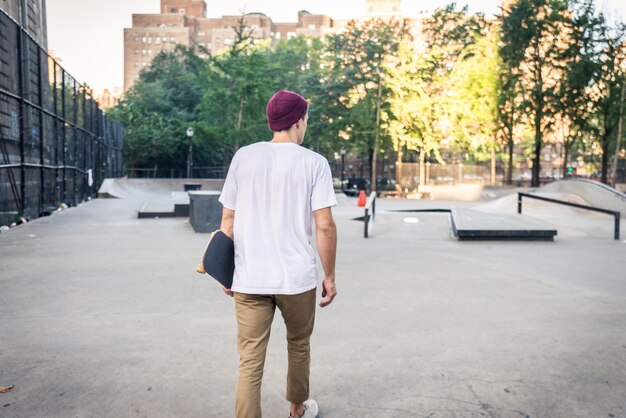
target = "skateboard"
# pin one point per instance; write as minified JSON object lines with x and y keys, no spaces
{"x":218,"y":260}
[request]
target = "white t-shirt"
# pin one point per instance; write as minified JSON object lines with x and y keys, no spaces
{"x":274,"y":189}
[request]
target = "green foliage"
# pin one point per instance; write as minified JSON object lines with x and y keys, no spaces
{"x":416,"y":112}
{"x":547,"y":70}
{"x":535,"y":40}
{"x":472,"y":98}
{"x":158,"y":109}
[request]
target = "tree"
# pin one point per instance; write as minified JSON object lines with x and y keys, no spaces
{"x":510,"y":97}
{"x":356,"y":77}
{"x":608,"y":92}
{"x":237,"y":84}
{"x":473,"y":97}
{"x":159,"y":108}
{"x":534,"y":41}
{"x":416,"y":113}
{"x":581,"y":58}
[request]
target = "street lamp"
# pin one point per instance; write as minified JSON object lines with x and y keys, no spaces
{"x":343,"y":162}
{"x":190,"y":152}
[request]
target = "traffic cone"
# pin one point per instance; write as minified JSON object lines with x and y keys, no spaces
{"x":361,"y":201}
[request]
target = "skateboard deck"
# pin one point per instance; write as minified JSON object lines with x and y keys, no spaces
{"x":219,"y":258}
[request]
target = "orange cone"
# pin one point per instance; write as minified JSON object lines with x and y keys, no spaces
{"x":361,"y":201}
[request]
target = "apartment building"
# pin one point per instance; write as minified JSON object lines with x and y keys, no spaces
{"x":31,"y":14}
{"x":185,"y":23}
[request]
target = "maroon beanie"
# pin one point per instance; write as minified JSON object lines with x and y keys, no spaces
{"x":284,"y":109}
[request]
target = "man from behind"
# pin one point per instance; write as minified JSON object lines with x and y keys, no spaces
{"x":273,"y":193}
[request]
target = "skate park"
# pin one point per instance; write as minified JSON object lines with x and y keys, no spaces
{"x":104,"y":315}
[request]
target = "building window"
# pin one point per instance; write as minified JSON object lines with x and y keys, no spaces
{"x":136,"y":64}
{"x":164,"y":39}
{"x":201,"y":33}
{"x":162,"y":25}
{"x":208,"y":45}
{"x":144,"y":52}
{"x":157,"y":41}
{"x":174,"y":11}
{"x":228,"y":41}
{"x":277,"y":35}
{"x":136,"y":52}
{"x":149,"y":52}
{"x":290,"y":35}
{"x":311,"y":27}
{"x":172,"y":40}
{"x":143,"y":64}
{"x":136,"y":38}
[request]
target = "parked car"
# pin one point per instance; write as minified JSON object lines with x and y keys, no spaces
{"x":355,"y":184}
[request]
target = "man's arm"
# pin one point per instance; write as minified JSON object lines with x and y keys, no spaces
{"x":326,"y":235}
{"x":228,"y":218}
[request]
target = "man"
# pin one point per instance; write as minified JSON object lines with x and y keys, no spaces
{"x":273,"y":191}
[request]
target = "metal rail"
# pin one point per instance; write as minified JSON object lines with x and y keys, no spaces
{"x":370,"y":214}
{"x":615,"y":214}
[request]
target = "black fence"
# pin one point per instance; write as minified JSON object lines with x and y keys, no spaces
{"x":56,"y":145}
{"x":215,"y":172}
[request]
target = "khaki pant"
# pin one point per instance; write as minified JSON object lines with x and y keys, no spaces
{"x":254,"y":320}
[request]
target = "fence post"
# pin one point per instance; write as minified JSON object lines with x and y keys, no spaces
{"x":617,"y":220}
{"x":42,"y":138}
{"x":20,"y":83}
{"x":75,"y":139}
{"x":64,"y":136}
{"x":519,"y":203}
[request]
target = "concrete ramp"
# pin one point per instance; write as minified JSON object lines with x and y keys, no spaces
{"x":146,"y":188}
{"x":597,"y":194}
{"x":159,"y":198}
{"x":508,"y":204}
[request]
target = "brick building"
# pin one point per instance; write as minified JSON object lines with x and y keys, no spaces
{"x":184,"y":22}
{"x":31,"y":14}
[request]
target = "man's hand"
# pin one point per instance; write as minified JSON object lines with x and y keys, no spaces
{"x":228,"y":292}
{"x":329,"y":291}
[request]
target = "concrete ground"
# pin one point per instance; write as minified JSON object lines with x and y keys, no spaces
{"x":103,"y":315}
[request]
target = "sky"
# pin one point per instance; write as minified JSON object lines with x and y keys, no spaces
{"x":88,"y":35}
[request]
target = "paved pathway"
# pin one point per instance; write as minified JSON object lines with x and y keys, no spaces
{"x":102,"y":315}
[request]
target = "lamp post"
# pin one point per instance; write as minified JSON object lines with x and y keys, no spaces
{"x":343,"y":163}
{"x":190,"y":152}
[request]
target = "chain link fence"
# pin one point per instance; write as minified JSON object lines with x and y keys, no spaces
{"x":56,"y":144}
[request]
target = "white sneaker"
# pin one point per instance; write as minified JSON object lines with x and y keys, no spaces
{"x":311,"y":409}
